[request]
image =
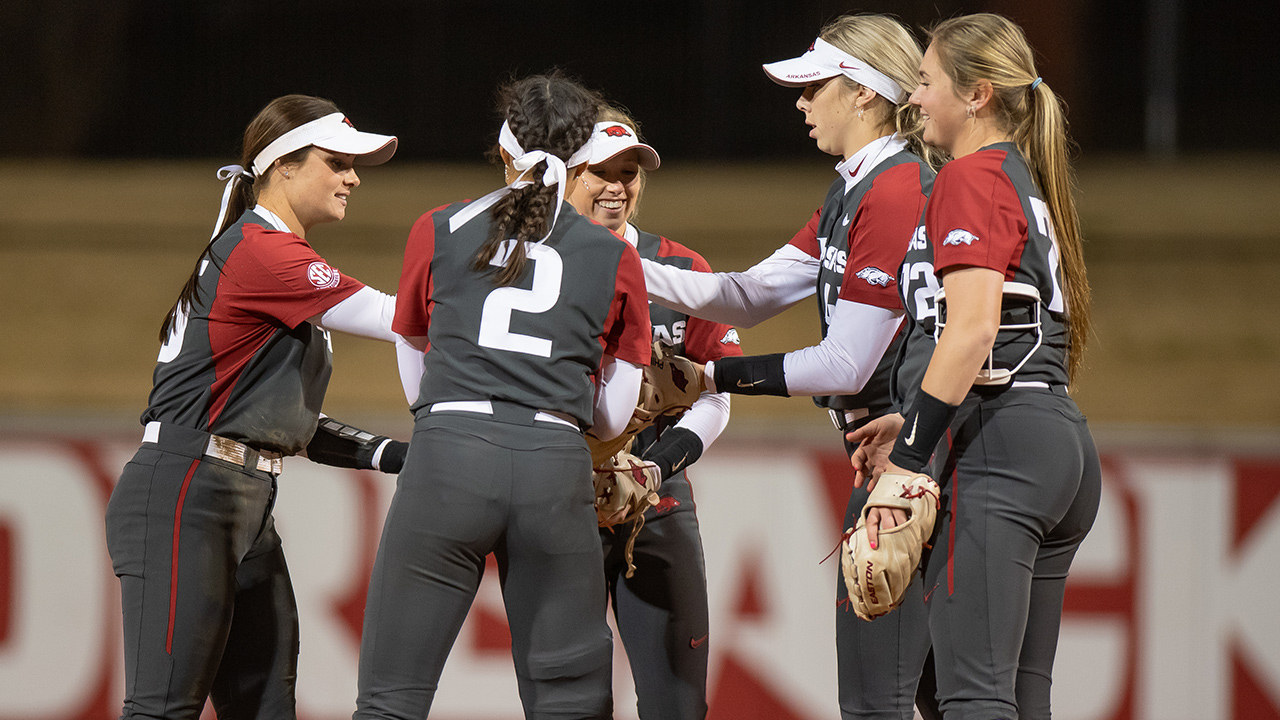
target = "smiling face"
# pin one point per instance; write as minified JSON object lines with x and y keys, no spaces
{"x":830,"y":113}
{"x":317,"y":188}
{"x":945,"y":113}
{"x":608,"y":191}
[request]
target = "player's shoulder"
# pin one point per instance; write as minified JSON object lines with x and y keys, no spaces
{"x":985,"y":164}
{"x":670,"y":250}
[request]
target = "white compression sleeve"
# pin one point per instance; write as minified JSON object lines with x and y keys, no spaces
{"x":744,"y":298}
{"x":367,"y":313}
{"x":841,"y":364}
{"x":410,"y":361}
{"x":616,"y":397}
{"x":707,"y":418}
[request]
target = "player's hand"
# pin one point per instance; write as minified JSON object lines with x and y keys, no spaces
{"x":875,"y":441}
{"x":884,"y":518}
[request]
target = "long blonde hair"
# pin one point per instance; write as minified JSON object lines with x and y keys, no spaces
{"x":885,"y":44}
{"x":991,"y":47}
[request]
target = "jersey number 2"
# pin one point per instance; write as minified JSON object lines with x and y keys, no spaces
{"x":495,"y":317}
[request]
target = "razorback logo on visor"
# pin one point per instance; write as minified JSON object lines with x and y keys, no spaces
{"x":958,"y":236}
{"x":347,"y":122}
{"x":322,"y":275}
{"x":730,"y":337}
{"x":875,"y":276}
{"x":617,"y":131}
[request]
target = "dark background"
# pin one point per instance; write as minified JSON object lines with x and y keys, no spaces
{"x":174,"y":78}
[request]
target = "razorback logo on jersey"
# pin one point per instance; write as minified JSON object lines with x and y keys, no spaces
{"x":958,"y":236}
{"x":875,"y":276}
{"x":617,"y":131}
{"x":730,"y":337}
{"x":322,"y":275}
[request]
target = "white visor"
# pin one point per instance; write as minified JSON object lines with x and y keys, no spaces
{"x":612,"y":138}
{"x":824,"y":60}
{"x":333,"y":132}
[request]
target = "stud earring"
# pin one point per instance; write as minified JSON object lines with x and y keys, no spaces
{"x":584,"y":184}
{"x":859,"y":113}
{"x":970,"y":111}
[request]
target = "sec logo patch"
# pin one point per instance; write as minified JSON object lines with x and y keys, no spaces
{"x":322,"y":276}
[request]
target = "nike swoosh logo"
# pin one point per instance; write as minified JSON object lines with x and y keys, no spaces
{"x":751,"y":384}
{"x":848,"y":67}
{"x":676,"y":467}
{"x":696,"y":643}
{"x":911,"y":439}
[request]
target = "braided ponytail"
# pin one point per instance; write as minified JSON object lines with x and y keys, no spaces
{"x":544,"y":112}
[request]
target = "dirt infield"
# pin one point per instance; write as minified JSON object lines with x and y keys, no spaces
{"x":1184,"y":261}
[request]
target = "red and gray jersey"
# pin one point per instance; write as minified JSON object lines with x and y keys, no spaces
{"x":860,"y":237}
{"x":539,"y":342}
{"x":697,"y":339}
{"x":985,"y":211}
{"x":243,"y":362}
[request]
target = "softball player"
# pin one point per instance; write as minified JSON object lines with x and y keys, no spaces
{"x":519,"y":302}
{"x":208,"y":607}
{"x":661,"y":610}
{"x":985,"y":369}
{"x":856,"y":78}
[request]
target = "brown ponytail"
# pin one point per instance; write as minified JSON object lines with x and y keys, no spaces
{"x":277,"y":118}
{"x":991,"y":47}
{"x":545,"y":112}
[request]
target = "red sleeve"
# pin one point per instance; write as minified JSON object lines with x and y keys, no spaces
{"x":879,"y":236}
{"x":627,"y":332}
{"x":413,"y":298}
{"x":807,"y":238}
{"x":975,"y":217}
{"x":278,"y":275}
{"x":703,"y":339}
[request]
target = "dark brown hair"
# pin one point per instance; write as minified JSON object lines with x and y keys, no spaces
{"x":277,"y":118}
{"x":545,"y":112}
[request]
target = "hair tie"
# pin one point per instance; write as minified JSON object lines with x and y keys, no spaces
{"x":1036,"y":83}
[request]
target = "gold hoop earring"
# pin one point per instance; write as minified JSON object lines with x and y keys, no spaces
{"x":970,"y":112}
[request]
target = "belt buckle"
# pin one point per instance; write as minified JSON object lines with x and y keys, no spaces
{"x":226,"y":449}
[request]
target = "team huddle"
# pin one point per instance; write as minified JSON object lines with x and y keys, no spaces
{"x":566,"y":368}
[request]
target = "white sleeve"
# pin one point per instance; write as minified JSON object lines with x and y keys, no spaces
{"x":411,"y":361}
{"x":707,"y":418}
{"x":367,"y":313}
{"x":857,"y":337}
{"x":744,"y":298}
{"x":616,"y":397}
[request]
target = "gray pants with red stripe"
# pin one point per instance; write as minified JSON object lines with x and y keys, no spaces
{"x":884,"y":669}
{"x":208,"y":607}
{"x":661,"y":610}
{"x":1020,"y":492}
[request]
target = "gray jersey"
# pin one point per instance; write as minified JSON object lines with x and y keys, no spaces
{"x":242,"y":362}
{"x":583,"y":287}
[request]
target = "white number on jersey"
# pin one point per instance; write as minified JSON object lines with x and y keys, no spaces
{"x":1041,"y":211}
{"x":924,"y":294}
{"x":173,"y":344}
{"x":495,"y":317}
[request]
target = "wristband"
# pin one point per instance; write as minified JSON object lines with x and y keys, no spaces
{"x":922,"y":428}
{"x":676,"y":450}
{"x":751,"y":375}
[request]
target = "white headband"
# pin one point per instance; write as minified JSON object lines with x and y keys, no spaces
{"x":333,"y":132}
{"x":557,"y":174}
{"x":824,"y":60}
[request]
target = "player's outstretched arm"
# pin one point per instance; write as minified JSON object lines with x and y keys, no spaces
{"x":340,"y":445}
